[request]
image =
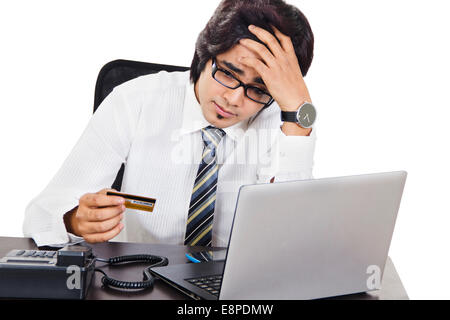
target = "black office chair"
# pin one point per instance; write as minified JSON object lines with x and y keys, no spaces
{"x":117,"y":72}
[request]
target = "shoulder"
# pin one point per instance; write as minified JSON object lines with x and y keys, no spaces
{"x":145,"y":90}
{"x":155,"y":82}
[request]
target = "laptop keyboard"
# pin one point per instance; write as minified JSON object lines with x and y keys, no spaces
{"x":211,"y":284}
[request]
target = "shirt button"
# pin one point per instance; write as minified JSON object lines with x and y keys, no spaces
{"x":283,"y":154}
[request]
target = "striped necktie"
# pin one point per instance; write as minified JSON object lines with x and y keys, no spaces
{"x":201,"y":209}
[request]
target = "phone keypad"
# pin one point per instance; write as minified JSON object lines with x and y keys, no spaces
{"x":30,"y":256}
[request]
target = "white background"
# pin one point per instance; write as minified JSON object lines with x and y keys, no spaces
{"x":379,"y":78}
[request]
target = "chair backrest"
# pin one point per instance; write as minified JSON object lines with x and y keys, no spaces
{"x":117,"y":72}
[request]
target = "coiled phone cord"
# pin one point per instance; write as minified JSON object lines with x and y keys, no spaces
{"x":148,"y":280}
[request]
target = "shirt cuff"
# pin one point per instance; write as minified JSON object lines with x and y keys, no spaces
{"x":49,"y":239}
{"x":73,"y":239}
{"x":292,"y":159}
{"x":295,"y":156}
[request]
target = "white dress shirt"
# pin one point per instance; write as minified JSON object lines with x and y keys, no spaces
{"x":152,"y":124}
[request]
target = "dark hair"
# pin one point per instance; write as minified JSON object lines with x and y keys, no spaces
{"x":230,"y":22}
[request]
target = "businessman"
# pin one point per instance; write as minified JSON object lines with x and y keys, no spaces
{"x":242,"y":114}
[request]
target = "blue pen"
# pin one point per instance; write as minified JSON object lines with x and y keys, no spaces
{"x":191,"y":258}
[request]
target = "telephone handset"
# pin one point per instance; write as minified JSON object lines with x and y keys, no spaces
{"x":64,"y":274}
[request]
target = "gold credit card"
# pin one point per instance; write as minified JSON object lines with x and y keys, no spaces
{"x":135,"y":202}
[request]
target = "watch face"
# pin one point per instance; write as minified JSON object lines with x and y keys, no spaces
{"x":306,"y":115}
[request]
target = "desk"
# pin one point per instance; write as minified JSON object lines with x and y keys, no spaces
{"x":392,"y":287}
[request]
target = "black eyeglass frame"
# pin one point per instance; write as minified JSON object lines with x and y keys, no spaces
{"x":215,"y":68}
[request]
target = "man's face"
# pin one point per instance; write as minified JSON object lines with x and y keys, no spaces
{"x":221,"y":106}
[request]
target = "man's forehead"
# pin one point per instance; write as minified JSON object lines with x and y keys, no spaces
{"x":240,"y":72}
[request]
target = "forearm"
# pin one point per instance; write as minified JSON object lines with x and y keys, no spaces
{"x":293,"y":129}
{"x":68,"y":220}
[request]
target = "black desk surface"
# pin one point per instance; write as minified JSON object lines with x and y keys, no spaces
{"x":392,"y":287}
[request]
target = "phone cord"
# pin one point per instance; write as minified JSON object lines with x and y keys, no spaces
{"x":155,"y":261}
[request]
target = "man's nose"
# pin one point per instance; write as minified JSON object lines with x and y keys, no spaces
{"x":235,"y":97}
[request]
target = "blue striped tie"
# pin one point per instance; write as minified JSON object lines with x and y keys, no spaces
{"x":201,"y":209}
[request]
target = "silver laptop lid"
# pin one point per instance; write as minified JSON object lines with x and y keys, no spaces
{"x":311,"y":238}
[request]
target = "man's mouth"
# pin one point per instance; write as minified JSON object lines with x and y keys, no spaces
{"x":223,"y":112}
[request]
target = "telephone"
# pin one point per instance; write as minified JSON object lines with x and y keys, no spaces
{"x":64,"y":274}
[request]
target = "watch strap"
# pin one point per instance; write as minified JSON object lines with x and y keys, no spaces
{"x":289,"y":116}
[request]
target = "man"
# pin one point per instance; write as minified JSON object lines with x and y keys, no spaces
{"x":190,"y":140}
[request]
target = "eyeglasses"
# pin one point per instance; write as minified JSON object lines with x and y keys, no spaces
{"x":228,"y":80}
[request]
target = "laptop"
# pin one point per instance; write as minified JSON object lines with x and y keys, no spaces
{"x":303,"y":239}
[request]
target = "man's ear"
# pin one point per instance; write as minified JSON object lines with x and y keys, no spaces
{"x":196,"y":84}
{"x":196,"y":90}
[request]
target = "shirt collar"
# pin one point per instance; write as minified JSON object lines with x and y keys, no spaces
{"x":193,"y":119}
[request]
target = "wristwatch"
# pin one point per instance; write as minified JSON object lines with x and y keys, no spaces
{"x":305,"y":116}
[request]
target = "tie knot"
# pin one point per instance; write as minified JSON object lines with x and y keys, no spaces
{"x":212,"y":136}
